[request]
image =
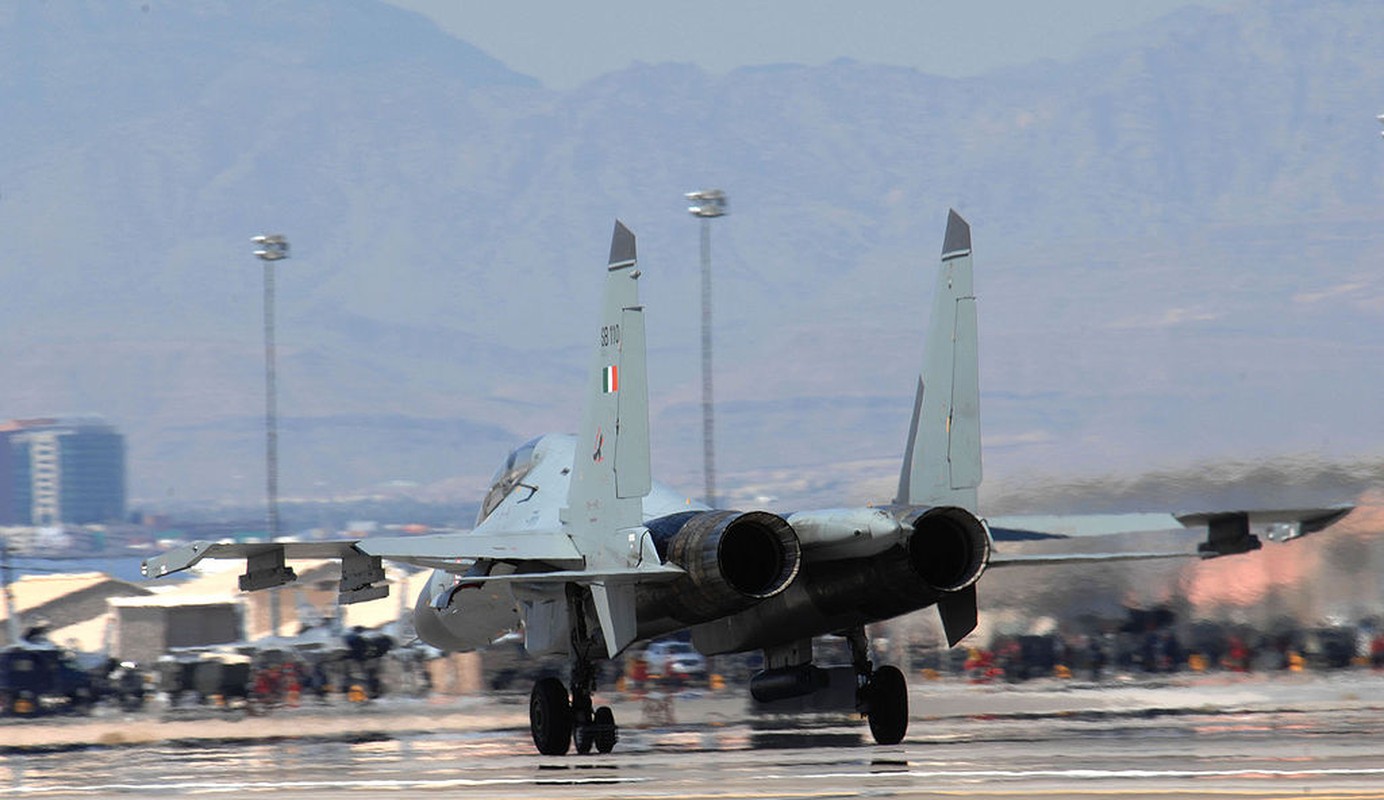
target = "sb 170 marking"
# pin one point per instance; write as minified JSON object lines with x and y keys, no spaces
{"x":610,"y":334}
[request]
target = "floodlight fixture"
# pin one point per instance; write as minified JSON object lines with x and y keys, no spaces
{"x":707,"y":203}
{"x":272,"y":248}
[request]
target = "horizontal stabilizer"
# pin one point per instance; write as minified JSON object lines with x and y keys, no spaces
{"x":447,"y":550}
{"x":1021,"y":535}
{"x":1039,"y":559}
{"x":630,"y":575}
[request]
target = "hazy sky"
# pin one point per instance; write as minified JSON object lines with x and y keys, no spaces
{"x":564,"y":43}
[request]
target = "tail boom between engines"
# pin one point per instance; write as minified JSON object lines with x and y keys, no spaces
{"x":944,"y":553}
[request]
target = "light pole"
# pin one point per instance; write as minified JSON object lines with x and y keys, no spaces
{"x":707,"y":205}
{"x":13,"y":630}
{"x":271,"y":249}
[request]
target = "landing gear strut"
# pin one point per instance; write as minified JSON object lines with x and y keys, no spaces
{"x":557,"y":722}
{"x":883,"y":693}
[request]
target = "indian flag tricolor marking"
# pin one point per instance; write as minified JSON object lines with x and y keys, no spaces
{"x":610,"y":379}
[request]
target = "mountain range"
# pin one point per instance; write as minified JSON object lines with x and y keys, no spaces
{"x":1176,"y":239}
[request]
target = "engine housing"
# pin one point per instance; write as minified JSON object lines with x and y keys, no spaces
{"x":455,"y":616}
{"x":941,"y":550}
{"x":948,"y":548}
{"x":733,"y":559}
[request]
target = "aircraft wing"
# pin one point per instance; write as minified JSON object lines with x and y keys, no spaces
{"x":538,"y":556}
{"x":1227,"y":533}
{"x":442,"y":551}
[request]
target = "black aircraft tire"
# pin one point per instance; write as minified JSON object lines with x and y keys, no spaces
{"x":582,"y":737}
{"x":888,"y":705}
{"x":607,"y":737}
{"x":550,"y":717}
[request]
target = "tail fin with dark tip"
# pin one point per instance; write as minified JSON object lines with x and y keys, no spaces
{"x":941,"y":463}
{"x":610,"y":471}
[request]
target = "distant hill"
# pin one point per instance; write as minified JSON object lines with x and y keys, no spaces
{"x":1177,"y":241}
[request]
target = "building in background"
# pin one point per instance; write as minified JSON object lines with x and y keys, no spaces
{"x":61,"y":470}
{"x":72,"y":609}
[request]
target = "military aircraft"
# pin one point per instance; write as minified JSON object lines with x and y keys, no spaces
{"x":577,"y":547}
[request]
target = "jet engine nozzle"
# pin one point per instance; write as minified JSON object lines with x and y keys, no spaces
{"x":948,"y":548}
{"x":732,"y":559}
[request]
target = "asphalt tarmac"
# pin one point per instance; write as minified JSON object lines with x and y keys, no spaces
{"x":1212,"y":737}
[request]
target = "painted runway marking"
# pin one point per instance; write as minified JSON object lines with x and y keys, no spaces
{"x":147,"y":789}
{"x":401,"y":785}
{"x":1097,"y":774}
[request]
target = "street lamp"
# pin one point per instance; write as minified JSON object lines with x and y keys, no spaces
{"x":707,"y":204}
{"x":269,"y":250}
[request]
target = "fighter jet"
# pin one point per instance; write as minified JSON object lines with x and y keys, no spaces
{"x":579,"y":549}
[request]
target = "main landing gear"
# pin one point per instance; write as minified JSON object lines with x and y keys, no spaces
{"x":558,"y":722}
{"x":882,"y":695}
{"x":550,"y":717}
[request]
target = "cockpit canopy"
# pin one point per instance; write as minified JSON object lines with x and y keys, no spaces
{"x":515,"y":467}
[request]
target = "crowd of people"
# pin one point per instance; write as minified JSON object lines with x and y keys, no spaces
{"x":1167,"y":649}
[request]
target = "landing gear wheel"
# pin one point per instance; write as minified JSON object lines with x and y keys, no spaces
{"x":582,"y":735}
{"x":550,"y":717}
{"x":606,"y":733}
{"x":888,"y":710}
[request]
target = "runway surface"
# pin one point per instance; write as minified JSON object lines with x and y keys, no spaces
{"x":1319,"y":737}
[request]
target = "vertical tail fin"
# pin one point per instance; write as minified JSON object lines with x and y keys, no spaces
{"x":610,"y":470}
{"x":941,"y":464}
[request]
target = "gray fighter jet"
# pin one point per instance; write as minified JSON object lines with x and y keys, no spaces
{"x":580,"y":550}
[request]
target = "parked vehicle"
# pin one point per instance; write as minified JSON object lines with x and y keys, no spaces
{"x":675,"y":660}
{"x":43,"y":679}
